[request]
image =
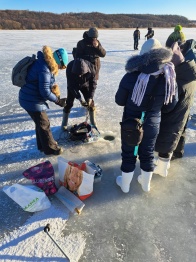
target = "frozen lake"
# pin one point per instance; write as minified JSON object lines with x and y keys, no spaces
{"x":155,"y":227}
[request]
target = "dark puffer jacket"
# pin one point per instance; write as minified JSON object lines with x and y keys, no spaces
{"x":147,"y":63}
{"x":87,"y":51}
{"x":75,"y":82}
{"x":37,"y":90}
{"x":150,"y":33}
{"x":173,"y":123}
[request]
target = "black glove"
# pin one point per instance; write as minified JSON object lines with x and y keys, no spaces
{"x":61,"y":102}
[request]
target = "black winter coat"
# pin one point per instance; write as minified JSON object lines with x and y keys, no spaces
{"x":87,"y":51}
{"x":173,"y":123}
{"x":75,"y":83}
{"x":147,"y":63}
{"x":150,"y":33}
{"x":152,"y":103}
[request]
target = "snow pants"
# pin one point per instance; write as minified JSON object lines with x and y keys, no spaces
{"x":44,"y":137}
{"x":136,"y":42}
{"x":146,"y":148}
{"x":86,"y":92}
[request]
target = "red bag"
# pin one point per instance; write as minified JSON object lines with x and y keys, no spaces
{"x":75,"y":178}
{"x":42,"y":176}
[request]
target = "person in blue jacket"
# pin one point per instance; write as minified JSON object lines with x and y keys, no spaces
{"x":34,"y":94}
{"x":150,"y":79}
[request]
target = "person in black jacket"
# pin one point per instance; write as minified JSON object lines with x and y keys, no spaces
{"x":136,"y":37}
{"x":187,"y":49}
{"x":171,"y":137}
{"x":150,"y":77}
{"x":150,"y":33}
{"x":90,"y":49}
{"x":80,"y":80}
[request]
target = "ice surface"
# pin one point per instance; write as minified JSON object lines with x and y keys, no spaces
{"x":159,"y":226}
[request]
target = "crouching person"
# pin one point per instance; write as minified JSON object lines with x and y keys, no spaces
{"x":148,"y":84}
{"x":38,"y":89}
{"x":80,"y":81}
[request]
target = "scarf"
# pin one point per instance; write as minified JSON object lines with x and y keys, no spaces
{"x":142,"y":82}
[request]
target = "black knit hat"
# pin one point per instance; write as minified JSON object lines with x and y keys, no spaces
{"x":92,"y":32}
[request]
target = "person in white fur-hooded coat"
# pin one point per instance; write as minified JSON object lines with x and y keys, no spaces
{"x":148,"y":86}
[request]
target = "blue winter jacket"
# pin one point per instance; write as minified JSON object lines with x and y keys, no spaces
{"x":37,"y":90}
{"x":147,"y":63}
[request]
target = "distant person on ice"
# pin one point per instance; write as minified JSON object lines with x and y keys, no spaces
{"x":176,"y":36}
{"x":136,"y":37}
{"x":171,"y":138}
{"x":148,"y":85}
{"x":150,"y":33}
{"x":90,"y":49}
{"x":38,"y":89}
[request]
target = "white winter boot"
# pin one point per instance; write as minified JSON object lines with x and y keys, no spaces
{"x":163,"y":164}
{"x":124,"y":181}
{"x":144,"y":180}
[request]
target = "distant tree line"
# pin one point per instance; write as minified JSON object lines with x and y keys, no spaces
{"x":25,"y":19}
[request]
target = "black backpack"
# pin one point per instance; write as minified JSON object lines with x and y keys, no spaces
{"x":81,"y":132}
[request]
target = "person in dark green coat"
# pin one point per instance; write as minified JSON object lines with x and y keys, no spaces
{"x":176,"y":36}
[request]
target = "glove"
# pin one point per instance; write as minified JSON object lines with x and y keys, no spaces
{"x":61,"y":102}
{"x":89,"y":102}
{"x":95,"y":43}
{"x":178,"y":57}
{"x":82,"y":102}
{"x":55,"y":90}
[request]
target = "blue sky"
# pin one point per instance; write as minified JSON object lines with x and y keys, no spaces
{"x":184,"y":8}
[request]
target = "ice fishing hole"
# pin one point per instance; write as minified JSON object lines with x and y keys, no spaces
{"x":109,"y":138}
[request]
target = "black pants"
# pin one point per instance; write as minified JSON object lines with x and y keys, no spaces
{"x":70,"y":98}
{"x":136,"y":41}
{"x":44,"y":137}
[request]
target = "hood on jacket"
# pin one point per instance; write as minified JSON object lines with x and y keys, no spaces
{"x":49,"y":58}
{"x":150,"y":61}
{"x":80,"y":67}
{"x":178,"y":28}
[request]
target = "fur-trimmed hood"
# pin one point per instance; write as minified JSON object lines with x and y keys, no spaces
{"x":149,"y":62}
{"x":49,"y":58}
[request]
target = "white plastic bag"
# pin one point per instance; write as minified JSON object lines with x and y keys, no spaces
{"x":29,"y":197}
